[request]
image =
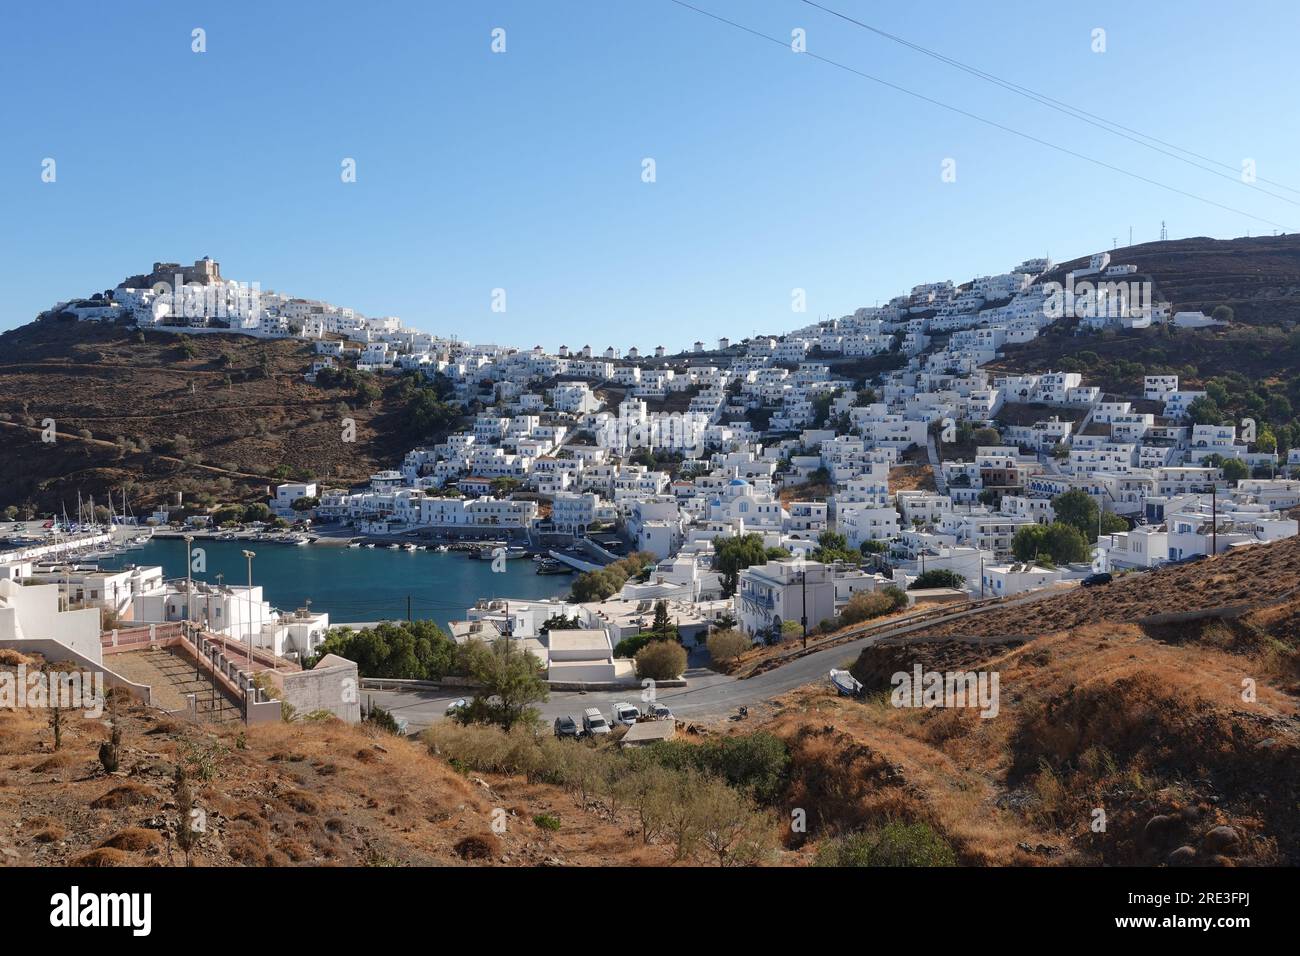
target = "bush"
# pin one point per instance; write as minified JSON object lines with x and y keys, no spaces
{"x":382,"y":719}
{"x":726,"y":646}
{"x":939,"y":578}
{"x":894,"y":844}
{"x":865,"y":605}
{"x":661,"y":660}
{"x":755,"y":763}
{"x":629,"y":646}
{"x":546,"y":821}
{"x":413,"y":650}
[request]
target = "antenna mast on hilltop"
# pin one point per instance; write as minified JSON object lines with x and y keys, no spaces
{"x":1164,"y":233}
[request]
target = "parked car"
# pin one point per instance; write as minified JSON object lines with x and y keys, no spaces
{"x":456,"y":705}
{"x":567,"y":726}
{"x":593,"y":722}
{"x":625,"y":713}
{"x":658,"y":712}
{"x":1092,"y":580}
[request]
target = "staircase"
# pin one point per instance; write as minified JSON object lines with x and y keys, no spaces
{"x":174,"y":678}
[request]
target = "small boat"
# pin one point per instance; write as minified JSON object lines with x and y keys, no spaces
{"x":846,"y":683}
{"x":370,"y":546}
{"x":551,"y":566}
{"x":442,"y":549}
{"x":354,"y":544}
{"x":394,"y":547}
{"x":409,"y":547}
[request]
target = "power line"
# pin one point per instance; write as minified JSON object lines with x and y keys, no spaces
{"x":1075,"y":112}
{"x":980,"y":119}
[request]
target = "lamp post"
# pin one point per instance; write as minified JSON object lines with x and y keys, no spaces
{"x":803,"y":620}
{"x":250,"y":555}
{"x":189,"y":565}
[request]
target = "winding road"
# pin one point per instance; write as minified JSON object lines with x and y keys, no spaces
{"x":707,"y":694}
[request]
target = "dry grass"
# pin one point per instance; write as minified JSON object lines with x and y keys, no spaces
{"x":134,"y":839}
{"x":1102,"y":717}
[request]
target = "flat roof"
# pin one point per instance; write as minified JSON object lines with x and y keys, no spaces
{"x":649,"y":732}
{"x":583,"y":639}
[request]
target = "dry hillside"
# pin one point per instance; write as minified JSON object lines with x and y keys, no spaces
{"x":156,"y":413}
{"x":306,"y":793}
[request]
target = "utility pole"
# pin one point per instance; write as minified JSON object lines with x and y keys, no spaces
{"x":803,"y":582}
{"x":408,"y":608}
{"x":189,"y":564}
{"x":250,"y":555}
{"x":1214,"y":516}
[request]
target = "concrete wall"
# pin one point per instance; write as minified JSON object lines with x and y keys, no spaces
{"x":333,"y":688}
{"x":38,"y":616}
{"x":54,"y":652}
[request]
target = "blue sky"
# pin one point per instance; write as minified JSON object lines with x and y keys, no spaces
{"x":522,"y":170}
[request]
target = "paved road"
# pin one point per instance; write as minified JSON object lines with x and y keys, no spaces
{"x":707,"y":695}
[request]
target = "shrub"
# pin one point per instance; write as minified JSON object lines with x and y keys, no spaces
{"x":661,"y":660}
{"x":754,"y":763}
{"x":546,"y":821}
{"x":938,"y":578}
{"x":865,"y":605}
{"x":894,"y":844}
{"x":726,"y":646}
{"x":382,"y":719}
{"x":629,"y":646}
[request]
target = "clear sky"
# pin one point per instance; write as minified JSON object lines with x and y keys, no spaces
{"x":523,"y":170}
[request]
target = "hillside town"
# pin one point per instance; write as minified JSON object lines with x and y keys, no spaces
{"x":870,"y":452}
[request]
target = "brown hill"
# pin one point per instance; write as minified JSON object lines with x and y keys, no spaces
{"x":1258,"y":278}
{"x":1170,"y":701}
{"x":218,"y":416}
{"x":1254,"y":577}
{"x":306,"y":793}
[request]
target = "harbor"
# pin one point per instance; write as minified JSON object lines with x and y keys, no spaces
{"x":351,"y":584}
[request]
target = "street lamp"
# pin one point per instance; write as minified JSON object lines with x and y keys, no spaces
{"x":803,"y":620}
{"x":250,"y":555}
{"x":189,"y":565}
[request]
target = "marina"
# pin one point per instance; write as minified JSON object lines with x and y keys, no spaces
{"x":352,"y":585}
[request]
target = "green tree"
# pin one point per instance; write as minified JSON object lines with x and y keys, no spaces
{"x":510,"y":681}
{"x":937,"y":578}
{"x":412,"y":650}
{"x":1234,"y":469}
{"x":833,"y":546}
{"x":1205,"y":411}
{"x":257,"y":512}
{"x":731,"y":555}
{"x":427,"y":415}
{"x":1078,"y":509}
{"x":661,"y":660}
{"x":663,"y":625}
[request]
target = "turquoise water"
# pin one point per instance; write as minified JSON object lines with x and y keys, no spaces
{"x":356,"y":584}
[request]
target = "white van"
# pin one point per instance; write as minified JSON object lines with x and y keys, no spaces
{"x":625,"y":713}
{"x":593,"y":721}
